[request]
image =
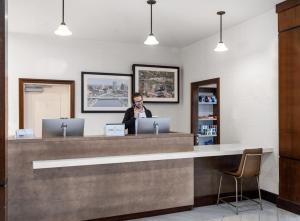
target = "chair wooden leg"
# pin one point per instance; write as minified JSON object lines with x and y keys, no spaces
{"x":259,"y":194}
{"x":219,"y":192}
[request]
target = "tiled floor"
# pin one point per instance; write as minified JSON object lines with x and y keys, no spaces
{"x":223,"y":213}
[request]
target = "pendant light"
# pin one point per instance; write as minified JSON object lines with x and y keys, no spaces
{"x":151,"y":39}
{"x":63,"y":29}
{"x":221,"y":47}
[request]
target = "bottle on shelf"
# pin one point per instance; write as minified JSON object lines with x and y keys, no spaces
{"x":207,"y":99}
{"x":208,"y":130}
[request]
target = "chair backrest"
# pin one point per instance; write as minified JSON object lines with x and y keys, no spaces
{"x":250,"y":163}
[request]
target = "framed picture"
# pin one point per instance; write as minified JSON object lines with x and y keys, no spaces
{"x":105,"y":92}
{"x":157,"y":84}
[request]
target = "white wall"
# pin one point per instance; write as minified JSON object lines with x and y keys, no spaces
{"x":249,"y":93}
{"x":32,"y":56}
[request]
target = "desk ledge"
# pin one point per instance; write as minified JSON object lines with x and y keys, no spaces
{"x":199,"y":151}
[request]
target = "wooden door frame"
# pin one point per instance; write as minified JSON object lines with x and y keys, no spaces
{"x":194,"y":99}
{"x":23,"y":81}
{"x":3,"y":110}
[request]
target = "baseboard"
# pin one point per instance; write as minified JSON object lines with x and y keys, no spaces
{"x":268,"y":196}
{"x":145,"y":214}
{"x":288,"y":205}
{"x":212,"y":199}
{"x":206,"y":201}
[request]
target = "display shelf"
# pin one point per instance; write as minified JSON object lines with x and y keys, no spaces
{"x":207,"y":119}
{"x":208,"y":103}
{"x":199,"y":135}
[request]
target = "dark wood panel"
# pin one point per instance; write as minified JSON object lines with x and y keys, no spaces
{"x":194,"y":110}
{"x":289,"y":19}
{"x":3,"y":111}
{"x":289,"y":93}
{"x":289,"y":105}
{"x":289,"y":183}
{"x":23,"y":81}
{"x":286,"y":5}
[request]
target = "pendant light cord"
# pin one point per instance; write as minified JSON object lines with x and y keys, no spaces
{"x":221,"y":40}
{"x":151,"y":18}
{"x":63,"y":11}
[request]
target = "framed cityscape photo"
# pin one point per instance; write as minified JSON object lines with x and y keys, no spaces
{"x":105,"y":92}
{"x":157,"y":84}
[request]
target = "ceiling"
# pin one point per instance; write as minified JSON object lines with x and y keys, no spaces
{"x":177,"y":23}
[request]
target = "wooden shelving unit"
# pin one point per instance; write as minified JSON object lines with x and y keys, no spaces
{"x":205,"y":111}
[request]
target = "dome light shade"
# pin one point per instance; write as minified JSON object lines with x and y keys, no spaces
{"x":63,"y":30}
{"x":221,"y":47}
{"x":151,"y":40}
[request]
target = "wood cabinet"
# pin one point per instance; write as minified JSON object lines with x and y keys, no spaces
{"x":289,"y":105}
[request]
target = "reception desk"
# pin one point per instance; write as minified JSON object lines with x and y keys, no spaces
{"x":114,"y":178}
{"x":98,"y":191}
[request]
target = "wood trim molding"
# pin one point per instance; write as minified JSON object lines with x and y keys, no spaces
{"x":145,"y":214}
{"x":3,"y":110}
{"x":288,"y":205}
{"x":212,"y":199}
{"x":22,"y":81}
{"x":268,"y":196}
{"x":286,"y":5}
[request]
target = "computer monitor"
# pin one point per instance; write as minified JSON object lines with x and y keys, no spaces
{"x":147,"y":125}
{"x":62,"y":127}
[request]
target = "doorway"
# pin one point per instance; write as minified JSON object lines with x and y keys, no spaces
{"x":44,"y":99}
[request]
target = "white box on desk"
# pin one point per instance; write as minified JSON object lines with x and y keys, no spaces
{"x":115,"y":129}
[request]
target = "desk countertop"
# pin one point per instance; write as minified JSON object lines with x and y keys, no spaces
{"x":199,"y":151}
{"x":98,"y":137}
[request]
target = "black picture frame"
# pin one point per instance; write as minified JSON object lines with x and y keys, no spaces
{"x":157,"y":98}
{"x":98,"y":76}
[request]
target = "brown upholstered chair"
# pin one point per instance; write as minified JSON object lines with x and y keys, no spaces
{"x":249,"y":167}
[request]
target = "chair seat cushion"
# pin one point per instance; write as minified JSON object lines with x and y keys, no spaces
{"x":231,"y":173}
